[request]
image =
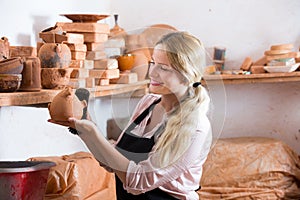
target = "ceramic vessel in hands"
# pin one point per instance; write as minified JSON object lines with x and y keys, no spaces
{"x":65,"y":105}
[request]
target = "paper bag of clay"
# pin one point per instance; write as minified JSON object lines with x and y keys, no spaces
{"x":78,"y":177}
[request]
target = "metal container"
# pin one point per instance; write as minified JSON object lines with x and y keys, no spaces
{"x":24,"y":180}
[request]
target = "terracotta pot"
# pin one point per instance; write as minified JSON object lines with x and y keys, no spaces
{"x":11,"y":66}
{"x":55,"y":78}
{"x":54,"y":55}
{"x":125,"y":62}
{"x":65,"y":105}
{"x":31,"y":75}
{"x":140,"y":65}
{"x":10,"y":82}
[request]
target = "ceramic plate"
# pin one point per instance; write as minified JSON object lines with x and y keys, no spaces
{"x":282,"y":69}
{"x":85,"y":17}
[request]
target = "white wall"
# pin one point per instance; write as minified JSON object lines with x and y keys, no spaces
{"x":23,"y":20}
{"x":245,"y":28}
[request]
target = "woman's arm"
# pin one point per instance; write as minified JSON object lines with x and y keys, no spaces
{"x":102,"y":150}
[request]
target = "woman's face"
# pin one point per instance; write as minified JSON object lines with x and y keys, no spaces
{"x":164,"y":79}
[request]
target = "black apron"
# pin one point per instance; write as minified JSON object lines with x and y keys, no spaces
{"x":137,"y":148}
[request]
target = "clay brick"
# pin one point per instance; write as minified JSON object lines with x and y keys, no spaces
{"x":102,"y":81}
{"x":90,"y":82}
{"x":88,"y":64}
{"x":78,"y":55}
{"x":76,"y":83}
{"x":125,"y":78}
{"x":95,"y":37}
{"x":256,"y":69}
{"x":80,"y":73}
{"x":22,"y":51}
{"x":108,"y":63}
{"x":84,"y":27}
{"x":77,"y":47}
{"x":92,"y":46}
{"x":74,"y":38}
{"x":246,"y":64}
{"x":76,"y":64}
{"x":108,"y":73}
{"x":95,"y":55}
{"x":261,"y":61}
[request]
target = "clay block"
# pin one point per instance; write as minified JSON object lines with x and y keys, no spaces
{"x":125,"y":78}
{"x":90,"y":82}
{"x":92,"y":46}
{"x":95,"y":55}
{"x":76,"y":64}
{"x":80,"y":73}
{"x":76,"y":47}
{"x":108,"y":73}
{"x":102,"y":81}
{"x":261,"y":61}
{"x":22,"y":51}
{"x":88,"y":64}
{"x":95,"y":37}
{"x":256,"y":69}
{"x":108,"y":63}
{"x":84,"y":27}
{"x":74,"y":38}
{"x":246,"y":64}
{"x":78,"y":55}
{"x":76,"y":83}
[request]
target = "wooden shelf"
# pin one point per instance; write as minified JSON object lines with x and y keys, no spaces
{"x":252,"y":78}
{"x":46,"y":96}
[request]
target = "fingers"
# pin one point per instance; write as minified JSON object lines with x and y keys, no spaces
{"x":63,"y":123}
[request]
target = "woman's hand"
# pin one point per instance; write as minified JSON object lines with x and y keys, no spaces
{"x":82,"y":126}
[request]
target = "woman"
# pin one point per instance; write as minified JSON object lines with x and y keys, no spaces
{"x":161,"y":152}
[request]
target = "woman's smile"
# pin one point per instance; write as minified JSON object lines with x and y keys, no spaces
{"x":155,"y":83}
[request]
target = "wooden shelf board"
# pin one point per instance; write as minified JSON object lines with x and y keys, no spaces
{"x":252,"y":78}
{"x":46,"y":96}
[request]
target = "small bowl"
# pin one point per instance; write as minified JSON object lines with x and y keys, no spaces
{"x":11,"y":66}
{"x":125,"y":62}
{"x":10,"y":82}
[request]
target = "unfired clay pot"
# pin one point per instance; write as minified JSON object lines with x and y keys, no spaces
{"x":55,"y":78}
{"x":54,"y":55}
{"x":65,"y":105}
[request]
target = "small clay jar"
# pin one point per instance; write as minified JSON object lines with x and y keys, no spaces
{"x":54,"y":55}
{"x":65,"y":105}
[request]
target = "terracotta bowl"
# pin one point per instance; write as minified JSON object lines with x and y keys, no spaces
{"x":10,"y":82}
{"x":11,"y":66}
{"x":125,"y":62}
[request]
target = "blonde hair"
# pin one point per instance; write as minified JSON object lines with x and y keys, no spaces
{"x":187,"y":55}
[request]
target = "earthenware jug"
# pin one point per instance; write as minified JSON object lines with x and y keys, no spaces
{"x":65,"y":105}
{"x":54,"y":55}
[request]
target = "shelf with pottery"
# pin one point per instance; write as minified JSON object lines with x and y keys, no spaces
{"x":46,"y":95}
{"x":252,"y":78}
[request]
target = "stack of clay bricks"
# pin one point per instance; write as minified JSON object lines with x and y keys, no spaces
{"x":91,"y":66}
